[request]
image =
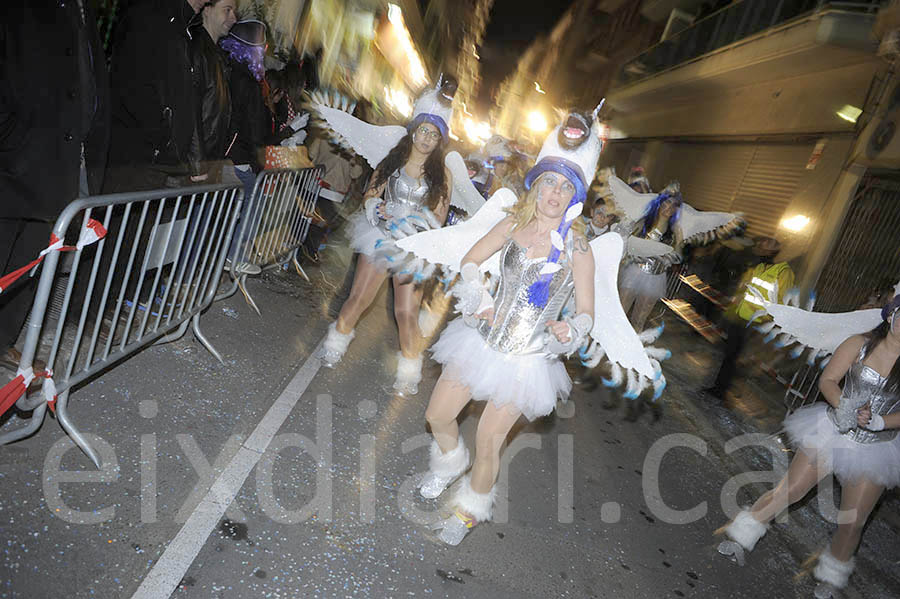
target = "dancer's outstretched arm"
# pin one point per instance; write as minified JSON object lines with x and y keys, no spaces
{"x":841,"y":361}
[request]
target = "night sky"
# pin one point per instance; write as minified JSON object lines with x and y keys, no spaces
{"x":513,"y":26}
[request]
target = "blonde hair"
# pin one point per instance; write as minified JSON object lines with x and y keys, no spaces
{"x":525,"y":210}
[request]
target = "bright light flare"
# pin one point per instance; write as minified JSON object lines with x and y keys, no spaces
{"x":537,"y":122}
{"x":417,"y":70}
{"x":537,"y":88}
{"x":477,"y":133}
{"x":399,"y":100}
{"x":795,"y":223}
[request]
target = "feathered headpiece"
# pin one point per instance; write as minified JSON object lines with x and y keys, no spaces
{"x":435,"y":106}
{"x":572,"y":150}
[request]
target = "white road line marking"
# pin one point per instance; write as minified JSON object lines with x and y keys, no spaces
{"x":169,"y":570}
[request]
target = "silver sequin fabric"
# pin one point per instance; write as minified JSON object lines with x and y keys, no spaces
{"x":653,"y":266}
{"x":864,"y":382}
{"x":404,"y":195}
{"x":518,"y":326}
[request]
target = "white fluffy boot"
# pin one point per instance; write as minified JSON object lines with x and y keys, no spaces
{"x":471,"y":508}
{"x":832,"y":574}
{"x":409,"y":373}
{"x":744,"y":531}
{"x":443,"y":468}
{"x":334,"y":346}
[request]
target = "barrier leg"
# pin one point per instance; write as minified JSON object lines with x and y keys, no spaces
{"x":174,"y":335}
{"x":195,"y":322}
{"x":299,"y":268}
{"x":34,"y":423}
{"x":242,"y":283}
{"x":62,"y":414}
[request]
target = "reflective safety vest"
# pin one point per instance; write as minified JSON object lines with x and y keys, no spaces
{"x":763,"y":279}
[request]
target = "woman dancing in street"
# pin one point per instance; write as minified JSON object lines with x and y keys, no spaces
{"x":853,"y":436}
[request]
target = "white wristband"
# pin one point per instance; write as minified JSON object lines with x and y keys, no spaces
{"x":876,"y":423}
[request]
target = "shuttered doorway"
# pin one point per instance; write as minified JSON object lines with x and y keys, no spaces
{"x":866,"y":257}
{"x":756,"y":179}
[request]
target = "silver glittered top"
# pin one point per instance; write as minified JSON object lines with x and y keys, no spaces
{"x":653,"y":265}
{"x":865,"y":383}
{"x":403,"y":194}
{"x":518,"y":326}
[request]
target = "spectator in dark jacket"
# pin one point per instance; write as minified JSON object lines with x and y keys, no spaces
{"x":154,"y":139}
{"x":211,"y":75}
{"x":250,"y":119}
{"x":54,"y":128}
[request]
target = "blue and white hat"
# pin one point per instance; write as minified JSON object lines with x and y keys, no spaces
{"x":435,"y":106}
{"x":572,"y":149}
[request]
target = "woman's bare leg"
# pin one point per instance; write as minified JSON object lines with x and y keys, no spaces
{"x":407,"y":299}
{"x":857,"y":502}
{"x":493,"y":428}
{"x":447,"y":401}
{"x":803,"y":474}
{"x":366,"y":282}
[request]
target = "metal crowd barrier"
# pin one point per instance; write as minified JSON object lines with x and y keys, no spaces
{"x":275,"y":223}
{"x":803,"y":390}
{"x":146,"y":281}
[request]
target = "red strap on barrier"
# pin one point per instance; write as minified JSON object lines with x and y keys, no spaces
{"x":93,"y":231}
{"x":14,"y":389}
{"x":11,"y":392}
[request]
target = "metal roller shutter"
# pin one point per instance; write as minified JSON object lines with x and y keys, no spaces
{"x":709,"y":174}
{"x":769,"y":184}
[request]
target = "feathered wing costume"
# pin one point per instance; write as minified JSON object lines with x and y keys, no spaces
{"x":611,"y":335}
{"x":817,"y":333}
{"x":373,"y":142}
{"x":693,"y":226}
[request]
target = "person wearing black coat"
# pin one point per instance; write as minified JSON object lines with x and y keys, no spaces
{"x":211,"y":77}
{"x":154,"y":140}
{"x":54,"y":110}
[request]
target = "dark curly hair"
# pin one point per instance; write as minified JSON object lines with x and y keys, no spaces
{"x":435,"y":176}
{"x":873,"y":340}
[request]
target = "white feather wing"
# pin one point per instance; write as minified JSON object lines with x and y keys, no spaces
{"x":822,"y":330}
{"x":611,"y":327}
{"x":372,"y":142}
{"x":695,"y":223}
{"x":632,"y":203}
{"x":448,"y":245}
{"x":463,"y":195}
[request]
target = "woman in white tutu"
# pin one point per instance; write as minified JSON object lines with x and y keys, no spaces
{"x":644,"y":279}
{"x":505,"y":349}
{"x":411,"y":184}
{"x":854,"y":436}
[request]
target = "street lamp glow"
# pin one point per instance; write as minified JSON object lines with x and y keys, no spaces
{"x":849,"y":113}
{"x":795,"y":223}
{"x":536,"y":121}
{"x":477,"y":133}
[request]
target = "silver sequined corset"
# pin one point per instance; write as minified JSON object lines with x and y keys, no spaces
{"x":404,"y":195}
{"x":864,"y":382}
{"x":653,"y":266}
{"x":519,"y":326}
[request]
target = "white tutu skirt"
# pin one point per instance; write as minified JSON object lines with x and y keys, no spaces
{"x":531,"y":382}
{"x":363,"y":235}
{"x":642,"y":282}
{"x":812,"y":431}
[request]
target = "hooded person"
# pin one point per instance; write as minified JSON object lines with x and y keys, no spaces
{"x":410,"y":187}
